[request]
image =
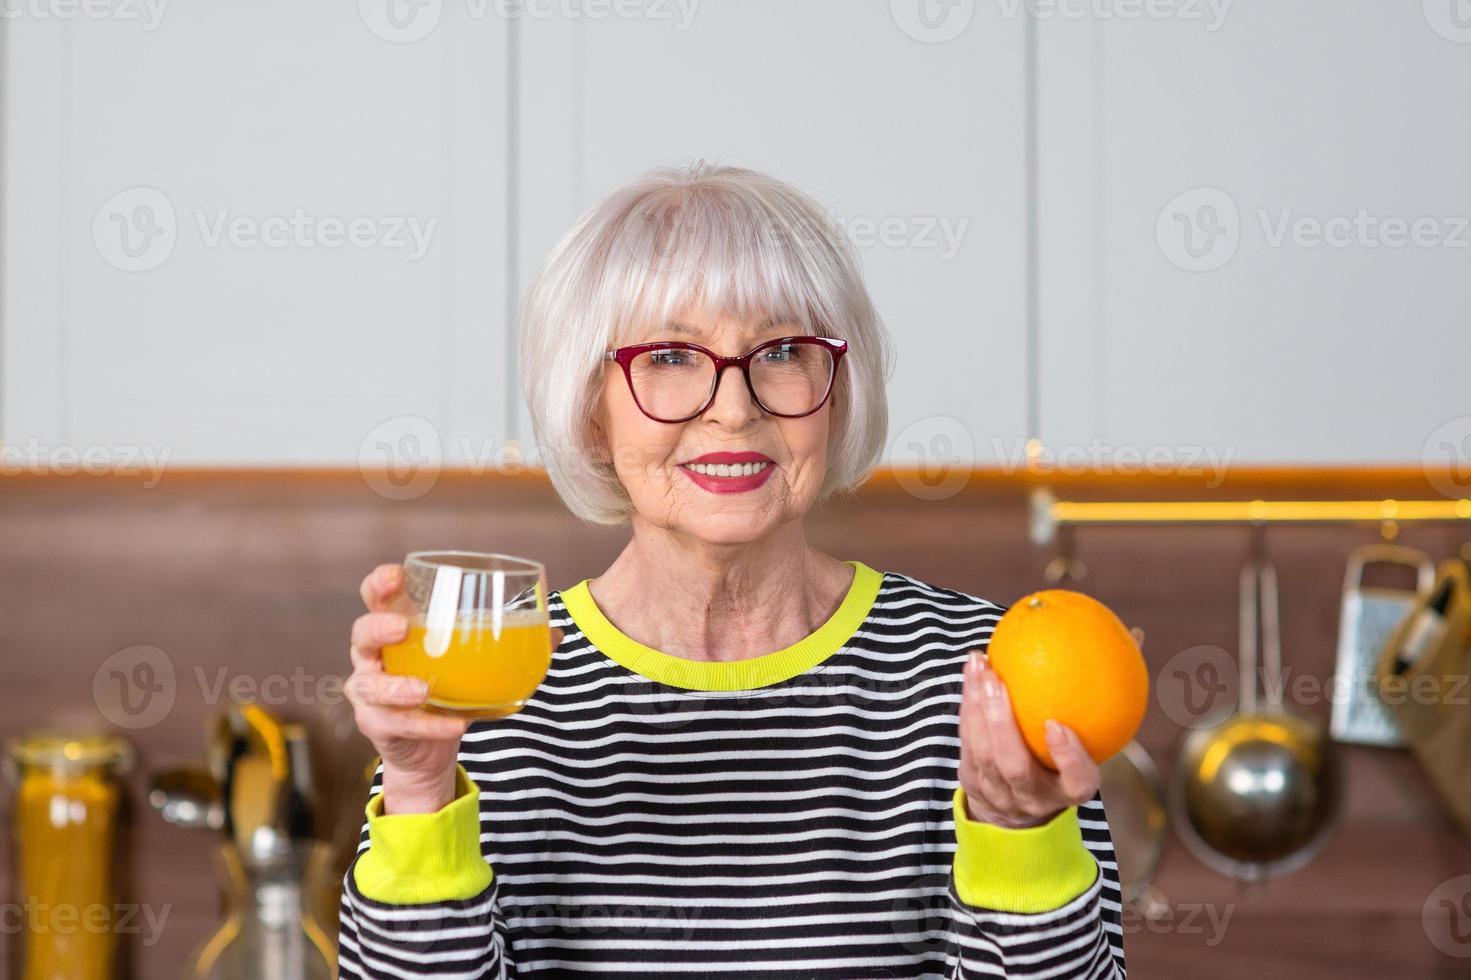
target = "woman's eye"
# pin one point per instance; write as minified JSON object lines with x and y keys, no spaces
{"x":668,"y":358}
{"x":780,"y":355}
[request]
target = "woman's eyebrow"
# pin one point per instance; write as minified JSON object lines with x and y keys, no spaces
{"x":764,"y":326}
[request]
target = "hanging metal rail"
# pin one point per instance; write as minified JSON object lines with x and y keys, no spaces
{"x":1049,"y":514}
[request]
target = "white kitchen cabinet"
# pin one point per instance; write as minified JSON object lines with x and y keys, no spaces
{"x":913,"y":138}
{"x":254,"y":234}
{"x":1338,"y":340}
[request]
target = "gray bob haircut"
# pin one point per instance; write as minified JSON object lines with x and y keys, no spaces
{"x":734,"y":240}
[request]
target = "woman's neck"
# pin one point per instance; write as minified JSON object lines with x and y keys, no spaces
{"x":699,"y":601}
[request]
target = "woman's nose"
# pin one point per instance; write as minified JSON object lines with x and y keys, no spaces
{"x":733,"y":403}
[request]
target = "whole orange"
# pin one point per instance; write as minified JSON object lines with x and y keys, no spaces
{"x":1065,"y":655}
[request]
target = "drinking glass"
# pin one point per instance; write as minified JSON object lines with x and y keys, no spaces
{"x":478,"y":632}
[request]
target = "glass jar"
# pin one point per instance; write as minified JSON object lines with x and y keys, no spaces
{"x":64,"y":825}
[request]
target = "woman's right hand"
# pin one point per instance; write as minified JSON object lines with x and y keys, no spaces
{"x":418,"y":749}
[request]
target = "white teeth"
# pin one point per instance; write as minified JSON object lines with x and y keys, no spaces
{"x":727,"y":469}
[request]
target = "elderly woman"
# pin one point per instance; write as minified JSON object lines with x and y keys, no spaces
{"x":744,"y":758}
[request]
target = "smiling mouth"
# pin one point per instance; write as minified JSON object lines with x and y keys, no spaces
{"x":726,"y":469}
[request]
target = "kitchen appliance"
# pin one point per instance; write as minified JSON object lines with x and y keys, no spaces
{"x":259,"y":793}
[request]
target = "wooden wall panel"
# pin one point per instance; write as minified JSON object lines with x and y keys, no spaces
{"x":257,"y":574}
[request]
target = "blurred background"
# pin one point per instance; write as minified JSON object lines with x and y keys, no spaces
{"x":1179,"y":288}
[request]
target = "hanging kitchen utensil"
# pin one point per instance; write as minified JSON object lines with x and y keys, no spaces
{"x":1133,"y":796}
{"x":1129,"y":782}
{"x":1258,"y":794}
{"x":1422,"y":675}
{"x":1369,"y":615}
{"x":188,"y":798}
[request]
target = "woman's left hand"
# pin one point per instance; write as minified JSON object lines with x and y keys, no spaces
{"x":1004,"y":782}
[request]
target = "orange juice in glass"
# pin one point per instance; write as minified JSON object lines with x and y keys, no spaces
{"x":478,"y":631}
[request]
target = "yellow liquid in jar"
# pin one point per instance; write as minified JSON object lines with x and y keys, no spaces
{"x":480,"y":672}
{"x":64,"y":825}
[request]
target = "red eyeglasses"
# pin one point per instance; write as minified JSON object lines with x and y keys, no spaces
{"x":789,"y":377}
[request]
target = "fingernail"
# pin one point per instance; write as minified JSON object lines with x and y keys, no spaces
{"x":974,"y":663}
{"x":989,"y":685}
{"x":1054,"y":733}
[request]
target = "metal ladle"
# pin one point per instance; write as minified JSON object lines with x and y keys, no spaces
{"x":1258,"y":794}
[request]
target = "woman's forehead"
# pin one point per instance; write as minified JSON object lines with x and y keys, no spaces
{"x":698,"y":324}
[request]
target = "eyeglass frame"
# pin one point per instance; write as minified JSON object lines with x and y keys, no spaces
{"x":624,"y":356}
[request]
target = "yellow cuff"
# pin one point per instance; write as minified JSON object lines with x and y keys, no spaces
{"x":1029,"y":869}
{"x":418,"y":858}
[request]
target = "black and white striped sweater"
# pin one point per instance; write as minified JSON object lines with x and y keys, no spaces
{"x":795,"y":815}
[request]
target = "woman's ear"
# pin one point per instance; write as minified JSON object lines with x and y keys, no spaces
{"x":598,"y":439}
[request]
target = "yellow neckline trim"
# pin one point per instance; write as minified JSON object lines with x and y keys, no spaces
{"x":732,"y":675}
